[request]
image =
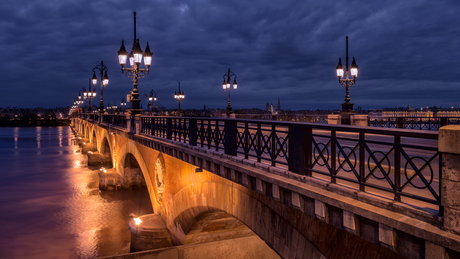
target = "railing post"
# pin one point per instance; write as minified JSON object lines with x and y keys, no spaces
{"x":362,"y":161}
{"x":137,"y":124}
{"x":246,"y":140}
{"x":333,"y":156}
{"x":192,"y":132}
{"x":449,"y":139}
{"x":297,"y":149}
{"x":397,"y":156}
{"x":308,"y":151}
{"x":129,"y":126}
{"x":152,"y":126}
{"x":400,"y":122}
{"x":203,"y":133}
{"x":259,"y":142}
{"x":273,"y":144}
{"x":169,"y":128}
{"x":443,"y":122}
{"x":209,"y":134}
{"x":231,"y":137}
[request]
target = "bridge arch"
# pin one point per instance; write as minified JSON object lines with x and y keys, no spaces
{"x":93,"y":137}
{"x":198,"y":198}
{"x":105,"y":136}
{"x":104,"y":144}
{"x":130,"y":148}
{"x":87,"y":132}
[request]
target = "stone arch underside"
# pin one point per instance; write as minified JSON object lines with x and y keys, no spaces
{"x":197,"y":198}
{"x":108,"y":155}
{"x":133,"y":177}
{"x":285,"y":229}
{"x":93,"y":138}
{"x":130,"y":148}
{"x":87,"y":132}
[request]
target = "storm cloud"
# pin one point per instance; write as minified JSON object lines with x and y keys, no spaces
{"x":407,"y":51}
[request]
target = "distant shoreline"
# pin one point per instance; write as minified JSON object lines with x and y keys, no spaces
{"x":20,"y":123}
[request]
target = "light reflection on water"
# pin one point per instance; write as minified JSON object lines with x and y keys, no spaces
{"x":50,"y":206}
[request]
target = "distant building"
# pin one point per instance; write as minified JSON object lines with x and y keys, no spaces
{"x":426,"y":112}
{"x":271,"y":107}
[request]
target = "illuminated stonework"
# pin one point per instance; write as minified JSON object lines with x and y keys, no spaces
{"x":160,"y":176}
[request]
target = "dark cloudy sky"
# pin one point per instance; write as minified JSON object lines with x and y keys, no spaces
{"x":407,"y":51}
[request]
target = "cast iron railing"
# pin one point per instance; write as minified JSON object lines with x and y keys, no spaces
{"x":120,"y":120}
{"x":398,"y":164}
{"x":422,"y":123}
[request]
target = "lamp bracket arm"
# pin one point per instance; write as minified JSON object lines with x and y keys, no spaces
{"x":129,"y":74}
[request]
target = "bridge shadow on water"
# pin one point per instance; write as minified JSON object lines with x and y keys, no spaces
{"x":139,"y":199}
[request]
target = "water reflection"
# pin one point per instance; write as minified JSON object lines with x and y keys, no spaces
{"x":51,"y":206}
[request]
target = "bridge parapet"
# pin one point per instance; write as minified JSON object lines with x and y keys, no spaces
{"x":337,"y":182}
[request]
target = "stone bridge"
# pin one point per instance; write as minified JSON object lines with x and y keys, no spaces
{"x":196,"y":165}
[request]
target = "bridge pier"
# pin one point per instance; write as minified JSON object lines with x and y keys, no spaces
{"x":150,"y":233}
{"x":95,"y":159}
{"x":108,"y":179}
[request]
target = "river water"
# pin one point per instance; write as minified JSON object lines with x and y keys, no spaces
{"x":50,"y":206}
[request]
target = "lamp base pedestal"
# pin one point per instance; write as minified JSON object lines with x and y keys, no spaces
{"x":345,"y":114}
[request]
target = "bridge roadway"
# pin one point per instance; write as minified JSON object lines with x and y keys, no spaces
{"x":350,"y":211}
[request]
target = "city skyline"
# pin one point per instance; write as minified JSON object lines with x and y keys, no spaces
{"x":406,"y":52}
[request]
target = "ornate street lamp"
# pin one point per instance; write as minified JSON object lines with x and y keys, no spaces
{"x":226,"y":86}
{"x":90,"y":95}
{"x":77,"y":102}
{"x":81,"y":98}
{"x":134,"y":72}
{"x":152,"y":98}
{"x":114,"y":107}
{"x":123,"y":104}
{"x":346,"y":81}
{"x":104,"y":82}
{"x":179,"y":96}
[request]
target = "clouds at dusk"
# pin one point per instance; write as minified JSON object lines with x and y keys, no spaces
{"x":407,"y":51}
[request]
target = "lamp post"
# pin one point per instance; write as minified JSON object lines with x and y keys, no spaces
{"x":179,"y":96}
{"x":123,"y":105}
{"x":82,"y":99}
{"x":226,"y":86}
{"x":91,"y":95}
{"x":152,"y":98}
{"x":347,"y":82}
{"x":134,"y":72}
{"x":104,"y":82}
{"x":77,"y":102}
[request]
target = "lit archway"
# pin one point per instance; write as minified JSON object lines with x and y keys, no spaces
{"x":130,"y":148}
{"x":217,"y":225}
{"x":94,"y":138}
{"x":106,"y":152}
{"x":191,"y":201}
{"x":87,"y":132}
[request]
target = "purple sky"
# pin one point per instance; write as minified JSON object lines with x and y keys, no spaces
{"x":407,"y":51}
